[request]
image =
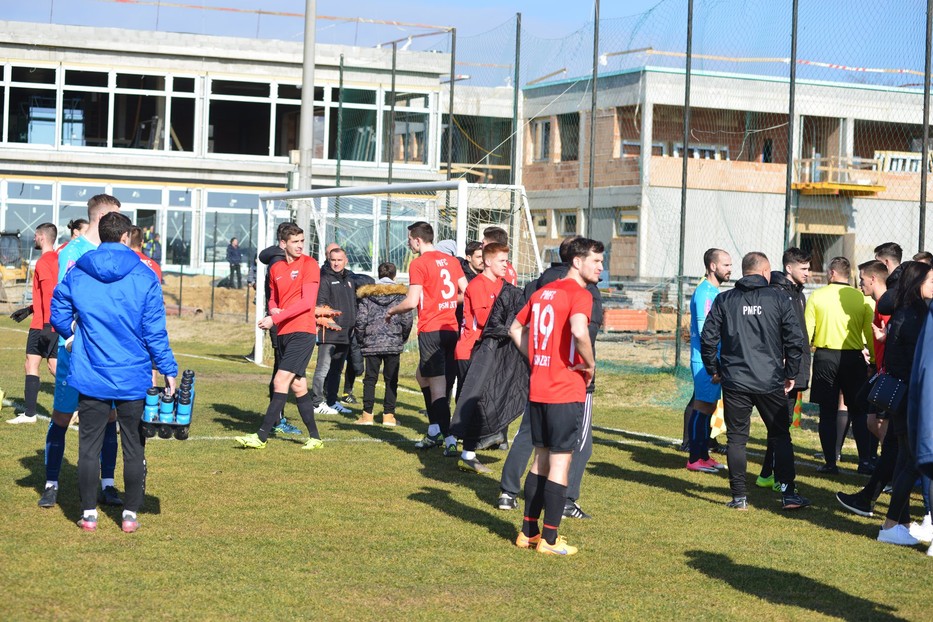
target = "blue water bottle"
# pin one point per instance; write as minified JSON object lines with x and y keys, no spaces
{"x":167,"y":409}
{"x":183,"y":409}
{"x":151,"y":409}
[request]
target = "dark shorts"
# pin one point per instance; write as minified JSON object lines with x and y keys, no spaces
{"x":556,"y":427}
{"x":44,"y":345}
{"x":436,"y":350}
{"x":295,"y":350}
{"x":837,"y":371}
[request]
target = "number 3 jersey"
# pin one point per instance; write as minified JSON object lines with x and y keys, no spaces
{"x":551,"y":346}
{"x":437,"y":273}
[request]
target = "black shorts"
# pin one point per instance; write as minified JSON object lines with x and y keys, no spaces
{"x":295,"y":350}
{"x":436,"y":350}
{"x":556,"y":427}
{"x":836,"y":371}
{"x":42,"y":343}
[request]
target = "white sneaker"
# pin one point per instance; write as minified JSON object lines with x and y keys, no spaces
{"x":340,"y":408}
{"x":899,"y":535}
{"x":324,"y":409}
{"x":922,"y":531}
{"x":930,"y":551}
{"x":22,"y":418}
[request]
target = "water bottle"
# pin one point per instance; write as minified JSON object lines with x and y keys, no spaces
{"x":183,"y":410}
{"x":151,"y":409}
{"x":167,"y":409}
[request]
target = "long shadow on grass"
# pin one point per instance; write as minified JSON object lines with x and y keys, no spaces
{"x":439,"y":499}
{"x":788,"y":588}
{"x":68,"y":499}
{"x":236,"y":419}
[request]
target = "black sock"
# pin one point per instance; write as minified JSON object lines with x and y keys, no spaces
{"x":694,"y":435}
{"x":534,"y":503}
{"x":440,"y":414}
{"x":426,"y":392}
{"x":32,"y":395}
{"x":273,"y":412}
{"x":306,"y":411}
{"x":555,"y":497}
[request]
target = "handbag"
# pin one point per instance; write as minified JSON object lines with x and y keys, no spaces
{"x":888,"y":394}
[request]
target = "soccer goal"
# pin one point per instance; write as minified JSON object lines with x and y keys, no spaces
{"x":371,"y":224}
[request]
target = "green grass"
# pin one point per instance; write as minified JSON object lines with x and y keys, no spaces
{"x":367,"y":530}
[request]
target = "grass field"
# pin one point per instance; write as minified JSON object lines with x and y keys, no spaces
{"x":369,"y":528}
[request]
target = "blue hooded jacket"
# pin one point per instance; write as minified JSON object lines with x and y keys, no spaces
{"x":116,"y":301}
{"x":920,"y":399}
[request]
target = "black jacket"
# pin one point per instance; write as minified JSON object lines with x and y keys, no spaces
{"x":271,"y":256}
{"x":758,"y":335}
{"x":885,"y":305}
{"x":495,"y":390}
{"x":901,"y":342}
{"x":376,"y":336}
{"x":337,"y":291}
{"x":798,"y":300}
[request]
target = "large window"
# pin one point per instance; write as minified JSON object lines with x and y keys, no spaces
{"x":352,"y":125}
{"x":407,"y":138}
{"x":28,"y":205}
{"x":33,"y":105}
{"x":569,"y":125}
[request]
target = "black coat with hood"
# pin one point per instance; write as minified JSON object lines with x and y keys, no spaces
{"x":798,"y":300}
{"x":756,"y":330}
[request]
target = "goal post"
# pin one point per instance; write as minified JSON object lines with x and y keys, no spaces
{"x":371,"y":224}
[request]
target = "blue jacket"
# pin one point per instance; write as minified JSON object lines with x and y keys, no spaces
{"x":920,"y":399}
{"x":116,"y":301}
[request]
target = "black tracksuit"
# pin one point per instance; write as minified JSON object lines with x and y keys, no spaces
{"x":757,"y":332}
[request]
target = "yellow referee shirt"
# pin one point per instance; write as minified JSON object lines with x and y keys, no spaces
{"x":839,"y":317}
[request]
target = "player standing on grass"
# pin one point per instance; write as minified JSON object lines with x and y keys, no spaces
{"x":718,"y":264}
{"x":552,"y":329}
{"x":66,"y":397}
{"x":293,"y":292}
{"x":42,"y":342}
{"x":435,"y":278}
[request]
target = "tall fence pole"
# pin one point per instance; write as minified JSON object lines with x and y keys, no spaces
{"x":306,"y":120}
{"x":516,"y":93}
{"x":924,"y":169}
{"x":181,"y":265}
{"x":251,"y":245}
{"x":390,"y":151}
{"x":339,"y":134}
{"x":678,"y":331}
{"x":450,"y":106}
{"x":791,"y":123}
{"x":214,"y":267}
{"x":592,"y":132}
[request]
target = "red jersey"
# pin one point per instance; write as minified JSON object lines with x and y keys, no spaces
{"x":44,"y":280}
{"x":880,"y":320}
{"x":437,"y":273}
{"x":478,"y":299}
{"x":551,"y":346}
{"x":511,"y":275}
{"x":293,"y":288}
{"x":149,"y":262}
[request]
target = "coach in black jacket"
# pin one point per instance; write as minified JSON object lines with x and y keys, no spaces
{"x":338,"y":292}
{"x":758,"y":335}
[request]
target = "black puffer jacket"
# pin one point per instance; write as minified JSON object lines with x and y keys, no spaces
{"x":376,"y":336}
{"x":798,"y":300}
{"x":901,"y":343}
{"x":337,"y":291}
{"x":885,"y":304}
{"x":758,"y":335}
{"x":495,"y":389}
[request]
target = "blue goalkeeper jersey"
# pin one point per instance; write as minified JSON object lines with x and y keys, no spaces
{"x":700,"y":304}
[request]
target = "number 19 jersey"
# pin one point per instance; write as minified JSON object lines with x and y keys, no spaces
{"x":437,"y":273}
{"x":551,"y":346}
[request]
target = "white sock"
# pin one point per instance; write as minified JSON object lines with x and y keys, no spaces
{"x":450,"y":440}
{"x":106,"y":482}
{"x":468,"y":455}
{"x":127,"y":515}
{"x":434,"y":429}
{"x":90,"y":514}
{"x":51,"y":484}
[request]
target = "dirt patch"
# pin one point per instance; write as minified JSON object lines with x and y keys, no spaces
{"x":194,"y":292}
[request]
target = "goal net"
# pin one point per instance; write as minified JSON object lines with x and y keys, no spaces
{"x":371,"y":224}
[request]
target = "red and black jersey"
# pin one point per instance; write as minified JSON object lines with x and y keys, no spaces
{"x":293,"y":289}
{"x":478,"y":299}
{"x":438,"y":274}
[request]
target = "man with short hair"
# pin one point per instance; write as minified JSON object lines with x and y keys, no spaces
{"x":65,"y":403}
{"x":499,"y":235}
{"x":718,"y":266}
{"x":42,"y":342}
{"x":790,"y":283}
{"x":234,"y":258}
{"x":751,"y":346}
{"x":839,"y":322}
{"x":890,"y":254}
{"x":293,"y":293}
{"x":924,"y":256}
{"x":552,"y":330}
{"x":113,"y":347}
{"x":136,"y":245}
{"x":472,"y":263}
{"x":435,"y":279}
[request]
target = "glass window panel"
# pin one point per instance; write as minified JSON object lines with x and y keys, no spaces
{"x":359,"y":206}
{"x":410,"y":100}
{"x":243,"y":89}
{"x":148,"y":196}
{"x":181,"y":132}
{"x":239,"y":127}
{"x":84,"y":119}
{"x":404,"y":209}
{"x":140,"y":82}
{"x":85,"y":78}
{"x":38,"y":75}
{"x":287,"y":118}
{"x":66,"y":213}
{"x":177,"y":245}
{"x":229,"y":225}
{"x":409,"y":143}
{"x":179,"y":198}
{"x":358,"y":135}
{"x":397,"y":250}
{"x":353,"y":96}
{"x":183,"y":85}
{"x":80,"y":193}
{"x":139,"y":121}
{"x":32,"y":116}
{"x":293,"y":91}
{"x":24,"y":190}
{"x":25,"y":218}
{"x":355,"y":235}
{"x":234,"y":200}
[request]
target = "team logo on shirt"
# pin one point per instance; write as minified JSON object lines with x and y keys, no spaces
{"x":294,"y":274}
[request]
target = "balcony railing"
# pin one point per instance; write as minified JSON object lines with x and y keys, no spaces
{"x":837,"y":175}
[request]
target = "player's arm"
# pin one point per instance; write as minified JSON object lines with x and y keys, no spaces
{"x":793,"y":351}
{"x":710,"y":337}
{"x":62,"y":311}
{"x":309,"y":295}
{"x":868,"y":333}
{"x":519,"y":334}
{"x":47,"y":282}
{"x":580,"y":329}
{"x":809,"y":318}
{"x":703,"y":306}
{"x":410,"y":302}
{"x":461,"y":289}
